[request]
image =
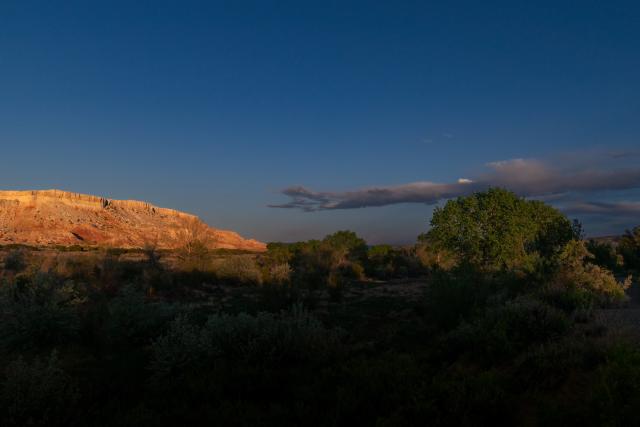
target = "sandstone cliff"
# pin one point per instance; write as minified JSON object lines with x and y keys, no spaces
{"x":54,"y":217}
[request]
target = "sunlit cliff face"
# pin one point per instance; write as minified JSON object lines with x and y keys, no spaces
{"x":54,"y":217}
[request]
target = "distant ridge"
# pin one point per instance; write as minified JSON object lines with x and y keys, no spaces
{"x":55,"y":217}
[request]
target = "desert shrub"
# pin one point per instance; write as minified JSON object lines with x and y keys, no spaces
{"x":78,"y":267}
{"x":38,"y":312}
{"x":239,"y":269}
{"x":615,"y":396}
{"x":274,"y":297}
{"x":629,"y":248}
{"x":348,"y":246}
{"x":262,"y":340}
{"x":431,"y":257}
{"x":505,"y":330}
{"x":316,"y":264}
{"x":380,"y":262}
{"x":37,"y":393}
{"x":279,"y":274}
{"x":473,"y":398}
{"x":604,"y":255}
{"x":455,"y":296}
{"x":549,"y":364}
{"x":15,"y":261}
{"x":180,"y":280}
{"x":194,"y":256}
{"x":580,"y":284}
{"x":373,"y":389}
{"x":132,"y":319}
{"x":312,"y":265}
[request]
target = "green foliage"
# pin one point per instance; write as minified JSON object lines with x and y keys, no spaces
{"x":629,"y":248}
{"x":38,"y":312}
{"x":604,"y":255}
{"x":455,"y":296}
{"x":580,"y":284}
{"x":512,"y":337}
{"x":194,"y":255}
{"x":37,"y":393}
{"x":279,"y":274}
{"x":386,"y":262}
{"x":265,"y":340}
{"x":15,"y":261}
{"x":504,"y":330}
{"x":371,"y":390}
{"x":496,"y":229}
{"x":241,"y":269}
{"x":132,"y":319}
{"x":616,"y":393}
{"x":347,"y":244}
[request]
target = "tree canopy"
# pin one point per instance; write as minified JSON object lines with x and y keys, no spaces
{"x":496,"y":229}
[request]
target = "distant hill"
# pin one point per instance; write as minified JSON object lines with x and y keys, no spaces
{"x":612,"y":240}
{"x":54,"y":217}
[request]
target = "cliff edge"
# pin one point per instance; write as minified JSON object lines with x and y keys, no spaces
{"x":54,"y":217}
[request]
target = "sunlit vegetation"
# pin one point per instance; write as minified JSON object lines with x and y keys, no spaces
{"x":499,"y":314}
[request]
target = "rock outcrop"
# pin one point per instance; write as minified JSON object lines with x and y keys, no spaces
{"x":54,"y":217}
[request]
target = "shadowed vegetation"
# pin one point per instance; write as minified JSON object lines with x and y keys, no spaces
{"x":499,"y":314}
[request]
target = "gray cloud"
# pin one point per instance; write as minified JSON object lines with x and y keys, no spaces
{"x":625,"y":209}
{"x":527,"y":177}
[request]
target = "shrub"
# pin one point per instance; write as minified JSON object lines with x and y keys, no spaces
{"x":454,"y":296}
{"x":616,"y":393}
{"x":503,"y":331}
{"x":262,"y":340}
{"x":431,"y":258}
{"x":239,"y":269}
{"x":604,"y":255}
{"x":38,"y":312}
{"x":369,"y":389}
{"x":38,"y":393}
{"x":580,"y":284}
{"x":629,"y":248}
{"x":132,"y":319}
{"x":15,"y":261}
{"x":280,"y":274}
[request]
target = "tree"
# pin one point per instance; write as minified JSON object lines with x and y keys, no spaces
{"x":195,"y":241}
{"x":496,"y":229}
{"x":348,"y":245}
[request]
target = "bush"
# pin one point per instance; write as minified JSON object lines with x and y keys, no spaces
{"x":580,"y":284}
{"x":279,"y":274}
{"x":455,"y":296}
{"x":616,"y":393}
{"x":131,"y":319}
{"x":604,"y":255}
{"x":15,"y":261}
{"x":37,"y":394}
{"x":503,"y":331}
{"x":239,"y":269}
{"x":629,"y":248}
{"x":38,"y":312}
{"x":262,"y":340}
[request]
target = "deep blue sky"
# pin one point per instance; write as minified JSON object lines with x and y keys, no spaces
{"x":215,"y":107}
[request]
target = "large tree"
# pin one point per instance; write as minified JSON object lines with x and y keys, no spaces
{"x":496,"y":229}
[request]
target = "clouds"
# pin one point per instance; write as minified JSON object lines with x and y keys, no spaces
{"x":526,"y":177}
{"x":417,"y":192}
{"x":604,"y":208}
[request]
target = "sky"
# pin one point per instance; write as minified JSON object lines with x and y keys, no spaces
{"x":288,"y":120}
